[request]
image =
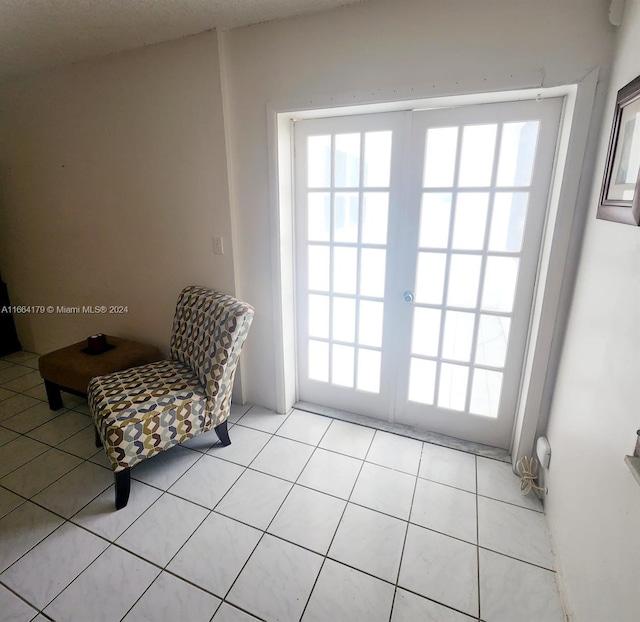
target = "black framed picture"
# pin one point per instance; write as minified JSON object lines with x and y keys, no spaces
{"x":620,"y":199}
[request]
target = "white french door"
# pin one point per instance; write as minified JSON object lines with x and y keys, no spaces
{"x":348,"y":178}
{"x":418,"y":236}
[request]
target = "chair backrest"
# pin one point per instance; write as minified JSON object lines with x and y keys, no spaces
{"x":209,"y":329}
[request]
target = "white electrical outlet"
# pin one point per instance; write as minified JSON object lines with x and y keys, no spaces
{"x":218,"y":247}
{"x":543,"y":451}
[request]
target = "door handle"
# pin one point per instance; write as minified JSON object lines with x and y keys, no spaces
{"x":408,"y":296}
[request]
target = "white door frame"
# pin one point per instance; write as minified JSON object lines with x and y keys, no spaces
{"x":558,"y":257}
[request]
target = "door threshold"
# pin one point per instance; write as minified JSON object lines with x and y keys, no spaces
{"x":478,"y":449}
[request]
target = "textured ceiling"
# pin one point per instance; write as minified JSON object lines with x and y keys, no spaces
{"x":35,"y":34}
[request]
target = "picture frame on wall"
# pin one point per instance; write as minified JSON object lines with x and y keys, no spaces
{"x":620,"y":195}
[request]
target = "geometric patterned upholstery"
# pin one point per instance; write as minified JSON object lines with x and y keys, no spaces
{"x":209,"y":329}
{"x":144,"y":410}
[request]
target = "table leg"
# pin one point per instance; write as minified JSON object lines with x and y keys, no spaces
{"x":53,"y":395}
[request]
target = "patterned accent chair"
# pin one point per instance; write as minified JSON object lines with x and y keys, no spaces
{"x":144,"y":410}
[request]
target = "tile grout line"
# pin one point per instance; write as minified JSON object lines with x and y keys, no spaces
{"x":95,"y":560}
{"x":326,"y":556}
{"x":344,"y":511}
{"x":168,"y":491}
{"x":406,"y":533}
{"x":48,"y":444}
{"x":66,"y":521}
{"x":212,"y":510}
{"x":64,"y":518}
{"x":30,"y":499}
{"x":264,"y":532}
{"x":50,"y":447}
{"x":56,"y":446}
{"x":26,"y":434}
{"x":277,"y":511}
{"x":238,"y":422}
{"x":163,"y":493}
{"x":198,"y":451}
{"x":110,"y":543}
{"x":475,"y":464}
{"x":37,"y":492}
{"x":23,"y":391}
{"x":398,"y":431}
{"x":22,"y":598}
{"x":69,"y":519}
{"x":14,"y":365}
{"x":333,"y":496}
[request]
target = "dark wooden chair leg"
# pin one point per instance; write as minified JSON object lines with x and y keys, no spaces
{"x":97,"y":437}
{"x":53,"y":395}
{"x":223,"y":433}
{"x":123,"y":486}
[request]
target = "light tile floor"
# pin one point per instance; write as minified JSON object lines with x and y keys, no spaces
{"x":301,"y":518}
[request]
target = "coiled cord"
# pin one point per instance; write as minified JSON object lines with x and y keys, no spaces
{"x":527,"y":469}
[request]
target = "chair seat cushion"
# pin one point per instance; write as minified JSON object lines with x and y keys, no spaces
{"x":144,"y":410}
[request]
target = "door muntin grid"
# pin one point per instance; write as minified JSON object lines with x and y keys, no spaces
{"x":475,"y":191}
{"x":437,"y":230}
{"x":347,"y":203}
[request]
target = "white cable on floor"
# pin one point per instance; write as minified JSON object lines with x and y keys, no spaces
{"x":527,"y":469}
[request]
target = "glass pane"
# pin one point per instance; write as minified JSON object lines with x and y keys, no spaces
{"x":517,"y":153}
{"x":344,"y":270}
{"x":493,"y":337}
{"x":422,"y":381}
{"x":485,"y":395}
{"x":368,"y":371}
{"x":478,"y":147}
{"x":319,"y":161}
{"x":471,"y":220}
{"x":342,"y":366}
{"x":345,"y":226}
{"x":372,"y":269}
{"x":426,"y":331}
{"x":430,"y":277}
{"x":500,"y":283}
{"x":452,"y":391}
{"x":624,"y":172}
{"x":434,"y":219}
{"x":319,"y":268}
{"x":370,"y":325}
{"x":377,"y":158}
{"x":458,"y":335}
{"x":318,"y":360}
{"x":318,"y":316}
{"x":319,"y":225}
{"x":347,"y":174}
{"x":440,"y":157}
{"x":344,"y":319}
{"x":464,"y":275}
{"x":507,"y":222}
{"x":375,"y":209}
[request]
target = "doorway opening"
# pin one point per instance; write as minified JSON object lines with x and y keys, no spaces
{"x":417,"y":240}
{"x":466,"y":336}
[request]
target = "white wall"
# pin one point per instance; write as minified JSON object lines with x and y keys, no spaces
{"x":380,"y":51}
{"x":113,"y":183}
{"x":593,"y":506}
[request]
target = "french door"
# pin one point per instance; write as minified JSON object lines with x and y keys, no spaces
{"x":417,"y":240}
